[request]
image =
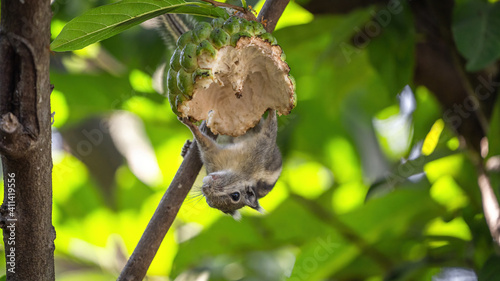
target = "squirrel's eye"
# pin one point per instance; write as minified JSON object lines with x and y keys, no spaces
{"x":235,"y":196}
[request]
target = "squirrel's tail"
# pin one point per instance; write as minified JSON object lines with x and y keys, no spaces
{"x":172,"y":26}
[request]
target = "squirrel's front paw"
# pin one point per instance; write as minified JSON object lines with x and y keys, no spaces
{"x":185,"y":120}
{"x":185,"y":148}
{"x":188,"y":123}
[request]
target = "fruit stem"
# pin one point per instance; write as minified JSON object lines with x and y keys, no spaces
{"x":220,"y":4}
{"x":243,"y":12}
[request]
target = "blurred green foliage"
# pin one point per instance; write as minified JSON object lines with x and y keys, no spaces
{"x":352,"y":202}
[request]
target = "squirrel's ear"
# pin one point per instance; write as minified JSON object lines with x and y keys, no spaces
{"x":257,"y":207}
{"x":261,"y":210}
{"x":236,"y":215}
{"x":252,"y":202}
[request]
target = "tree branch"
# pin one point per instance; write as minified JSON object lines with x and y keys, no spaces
{"x":25,"y":140}
{"x":490,"y":204}
{"x":138,"y":264}
{"x":271,"y":12}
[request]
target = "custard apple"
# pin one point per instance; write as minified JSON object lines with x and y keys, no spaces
{"x":229,"y":73}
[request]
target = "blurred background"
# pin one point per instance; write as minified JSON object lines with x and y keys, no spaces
{"x":377,"y":181}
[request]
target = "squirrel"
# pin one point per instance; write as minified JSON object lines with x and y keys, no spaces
{"x":240,"y":170}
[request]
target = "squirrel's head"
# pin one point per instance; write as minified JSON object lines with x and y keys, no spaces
{"x":225,"y":191}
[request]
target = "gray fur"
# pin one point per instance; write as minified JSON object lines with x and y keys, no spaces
{"x":248,"y":165}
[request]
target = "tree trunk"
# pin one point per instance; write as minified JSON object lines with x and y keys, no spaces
{"x":25,"y":139}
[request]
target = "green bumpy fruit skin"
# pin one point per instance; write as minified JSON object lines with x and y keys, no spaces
{"x":185,"y":38}
{"x":257,"y":27}
{"x":218,"y":22}
{"x":206,"y":48}
{"x":201,"y":31}
{"x":185,"y":82}
{"x":245,"y":26}
{"x":232,"y":25}
{"x":173,"y":91}
{"x":188,"y":58}
{"x":175,"y":63}
{"x":219,"y":38}
{"x":269,"y":38}
{"x":203,"y":42}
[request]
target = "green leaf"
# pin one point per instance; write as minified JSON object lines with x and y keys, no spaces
{"x":105,"y":21}
{"x":475,"y":29}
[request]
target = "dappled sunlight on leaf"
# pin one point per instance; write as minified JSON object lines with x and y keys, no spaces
{"x":344,"y":161}
{"x":141,"y":82}
{"x":449,"y":165}
{"x":163,"y":262}
{"x":432,"y":138}
{"x":169,"y":157}
{"x":454,"y":228}
{"x":348,"y":197}
{"x":56,"y":25}
{"x":125,"y":178}
{"x":148,"y":110}
{"x":453,"y":143}
{"x":275,"y":198}
{"x":447,"y":192}
{"x":306,"y":178}
{"x":89,"y":52}
{"x":67,"y":175}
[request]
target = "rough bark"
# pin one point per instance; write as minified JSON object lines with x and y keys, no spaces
{"x":25,"y":140}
